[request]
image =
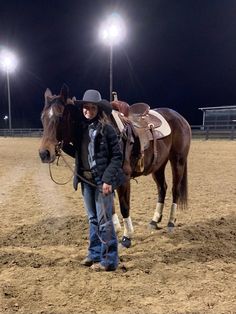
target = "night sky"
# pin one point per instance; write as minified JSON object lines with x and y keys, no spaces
{"x":179,"y":54}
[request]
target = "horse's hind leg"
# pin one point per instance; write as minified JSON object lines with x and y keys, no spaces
{"x":179,"y":187}
{"x":159,"y":178}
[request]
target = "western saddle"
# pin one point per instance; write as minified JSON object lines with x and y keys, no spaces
{"x":148,"y":126}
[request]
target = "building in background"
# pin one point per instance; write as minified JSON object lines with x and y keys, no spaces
{"x":222,"y":117}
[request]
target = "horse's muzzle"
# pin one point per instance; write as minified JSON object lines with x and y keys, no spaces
{"x":45,"y":156}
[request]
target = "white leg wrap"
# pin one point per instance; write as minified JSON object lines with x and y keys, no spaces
{"x":116,"y":222}
{"x":128,"y":227}
{"x":158,"y":212}
{"x":173,"y":212}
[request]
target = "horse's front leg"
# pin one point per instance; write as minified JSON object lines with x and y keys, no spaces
{"x":124,"y":201}
{"x":115,"y":219}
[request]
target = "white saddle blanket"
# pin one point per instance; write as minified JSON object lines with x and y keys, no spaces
{"x":164,"y":129}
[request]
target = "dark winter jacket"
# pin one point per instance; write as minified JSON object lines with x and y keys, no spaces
{"x":107,"y":157}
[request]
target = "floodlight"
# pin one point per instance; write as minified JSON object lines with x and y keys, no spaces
{"x":8,"y":61}
{"x":112,"y":32}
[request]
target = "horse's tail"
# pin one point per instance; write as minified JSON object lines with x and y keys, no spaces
{"x":183,"y":193}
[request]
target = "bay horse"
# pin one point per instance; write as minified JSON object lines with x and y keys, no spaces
{"x":60,"y":119}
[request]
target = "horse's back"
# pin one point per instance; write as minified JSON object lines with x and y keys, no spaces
{"x":180,"y":130}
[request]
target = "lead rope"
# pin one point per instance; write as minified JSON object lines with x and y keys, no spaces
{"x":59,"y":154}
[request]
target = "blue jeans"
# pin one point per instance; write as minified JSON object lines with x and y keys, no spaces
{"x":103,"y":246}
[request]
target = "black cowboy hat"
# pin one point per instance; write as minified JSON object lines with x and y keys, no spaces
{"x":93,"y":96}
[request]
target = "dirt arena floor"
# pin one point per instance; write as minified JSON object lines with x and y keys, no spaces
{"x":43,"y":237}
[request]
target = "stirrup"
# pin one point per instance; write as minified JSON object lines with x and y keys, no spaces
{"x":140,"y":165}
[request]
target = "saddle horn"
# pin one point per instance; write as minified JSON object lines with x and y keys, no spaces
{"x":114,"y":96}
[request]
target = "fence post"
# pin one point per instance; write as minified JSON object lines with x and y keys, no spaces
{"x":207,"y":133}
{"x":232,"y":132}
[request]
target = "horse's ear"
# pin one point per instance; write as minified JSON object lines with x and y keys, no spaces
{"x":64,"y":93}
{"x":47,"y":94}
{"x":69,"y":101}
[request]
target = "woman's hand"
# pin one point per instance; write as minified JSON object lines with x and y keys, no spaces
{"x":106,"y":188}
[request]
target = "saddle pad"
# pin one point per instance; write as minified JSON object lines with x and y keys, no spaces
{"x":119,"y":123}
{"x":164,"y":128}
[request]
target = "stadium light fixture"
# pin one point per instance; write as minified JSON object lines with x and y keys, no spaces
{"x":112,"y":32}
{"x":8,"y":63}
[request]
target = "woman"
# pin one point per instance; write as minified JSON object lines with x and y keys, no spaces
{"x":99,"y":161}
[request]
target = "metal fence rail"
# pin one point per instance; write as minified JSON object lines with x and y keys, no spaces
{"x":214,"y":132}
{"x":21,"y":132}
{"x":198,"y":132}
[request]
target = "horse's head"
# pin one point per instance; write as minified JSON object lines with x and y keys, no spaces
{"x":56,"y":120}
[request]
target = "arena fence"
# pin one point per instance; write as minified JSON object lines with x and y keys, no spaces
{"x":21,"y":132}
{"x":214,"y":132}
{"x":198,"y":132}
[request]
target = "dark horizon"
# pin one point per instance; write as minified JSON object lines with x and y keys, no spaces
{"x":177,"y":54}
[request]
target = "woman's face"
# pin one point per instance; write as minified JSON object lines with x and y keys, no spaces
{"x":90,"y":110}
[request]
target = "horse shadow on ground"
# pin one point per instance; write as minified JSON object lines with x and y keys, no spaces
{"x":201,"y":242}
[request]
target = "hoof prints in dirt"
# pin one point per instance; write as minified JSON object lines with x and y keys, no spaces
{"x":214,"y":239}
{"x":21,"y":259}
{"x":53,"y":231}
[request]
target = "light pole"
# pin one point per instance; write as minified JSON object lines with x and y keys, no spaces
{"x":111,"y":72}
{"x":8,"y":62}
{"x":112,"y":32}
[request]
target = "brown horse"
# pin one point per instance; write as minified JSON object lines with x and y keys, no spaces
{"x":60,"y":121}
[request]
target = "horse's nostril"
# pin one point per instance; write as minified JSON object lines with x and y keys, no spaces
{"x":44,"y":155}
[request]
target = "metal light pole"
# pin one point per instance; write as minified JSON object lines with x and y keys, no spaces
{"x":112,"y":31}
{"x":111,"y":72}
{"x":8,"y":63}
{"x":9,"y":99}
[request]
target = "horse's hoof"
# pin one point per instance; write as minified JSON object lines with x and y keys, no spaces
{"x":126,"y":242}
{"x":153,"y":225}
{"x":170,"y":226}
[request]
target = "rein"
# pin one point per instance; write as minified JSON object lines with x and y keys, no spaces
{"x":59,"y":154}
{"x":51,"y":176}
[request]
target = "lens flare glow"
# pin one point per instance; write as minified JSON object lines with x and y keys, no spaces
{"x":112,"y":31}
{"x":8,"y":61}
